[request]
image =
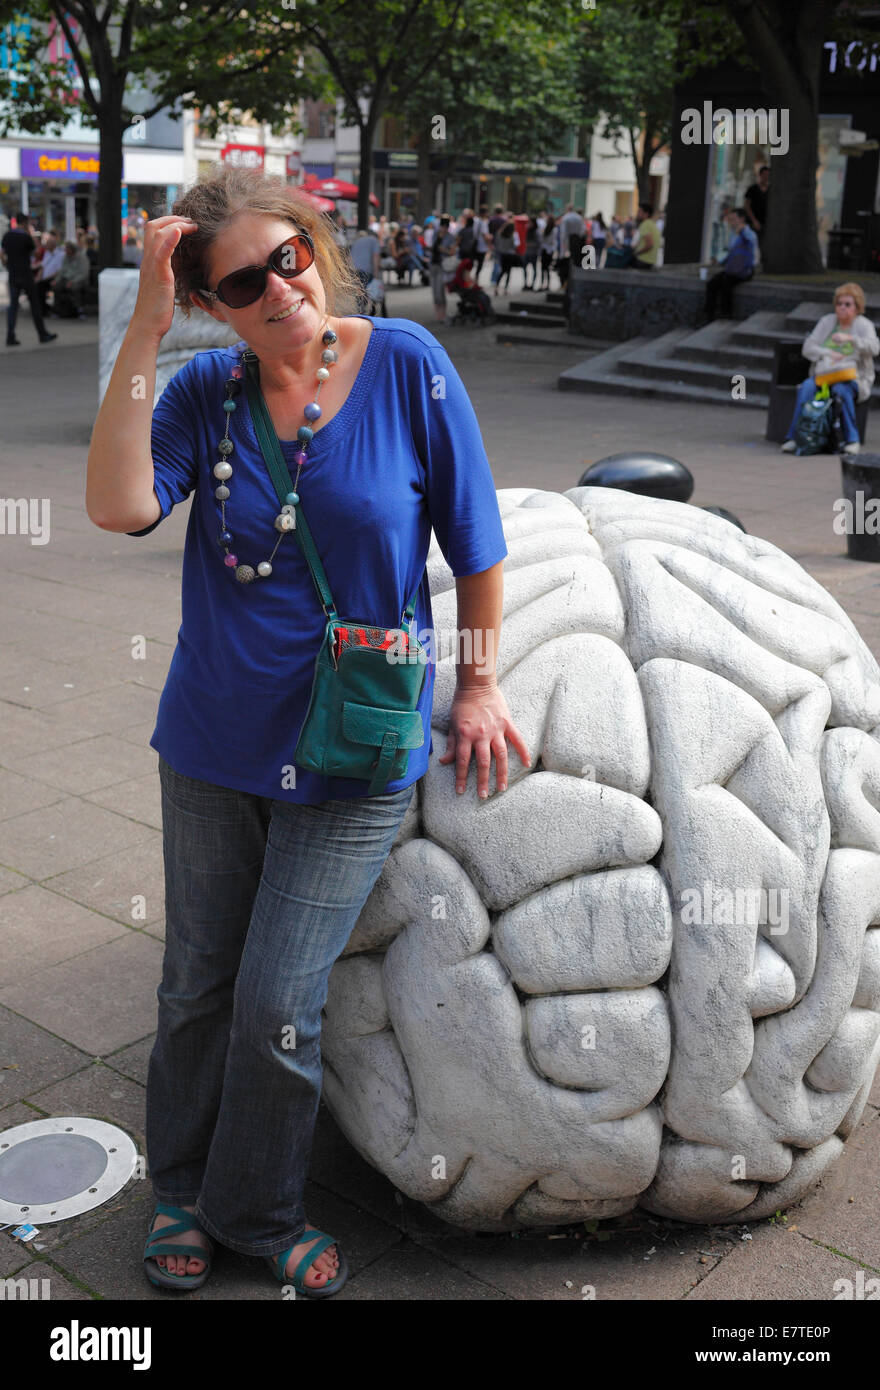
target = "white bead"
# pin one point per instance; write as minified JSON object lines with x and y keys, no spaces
{"x":285,"y":522}
{"x":222,"y":470}
{"x":323,"y":373}
{"x":264,"y":569}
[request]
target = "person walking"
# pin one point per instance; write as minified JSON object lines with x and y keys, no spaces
{"x":571,"y":240}
{"x":505,"y":249}
{"x":481,"y":227}
{"x":549,"y":245}
{"x":16,"y":250}
{"x":443,"y":247}
{"x":365,"y":257}
{"x":530,"y":258}
{"x":598,"y":237}
{"x":268,"y":864}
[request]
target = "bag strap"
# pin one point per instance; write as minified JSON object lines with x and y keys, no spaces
{"x":280,"y":475}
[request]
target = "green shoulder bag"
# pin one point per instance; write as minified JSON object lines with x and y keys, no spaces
{"x":362,"y":718}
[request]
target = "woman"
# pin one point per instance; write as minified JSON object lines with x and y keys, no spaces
{"x":505,"y":247}
{"x":549,"y":250}
{"x":598,"y":237}
{"x":268,"y":865}
{"x":844,"y":338}
{"x":530,"y":259}
{"x":443,"y":244}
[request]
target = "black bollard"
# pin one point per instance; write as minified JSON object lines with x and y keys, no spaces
{"x":858,"y":511}
{"x":726,"y":516}
{"x":650,"y":475}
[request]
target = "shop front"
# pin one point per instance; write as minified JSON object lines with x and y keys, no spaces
{"x":458,"y":184}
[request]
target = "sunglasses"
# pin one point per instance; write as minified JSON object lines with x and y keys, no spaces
{"x":245,"y":286}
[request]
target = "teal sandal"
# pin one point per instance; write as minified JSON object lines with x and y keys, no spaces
{"x":320,"y":1242}
{"x":158,"y":1244}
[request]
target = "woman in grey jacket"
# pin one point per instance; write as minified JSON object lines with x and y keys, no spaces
{"x":842,"y":339}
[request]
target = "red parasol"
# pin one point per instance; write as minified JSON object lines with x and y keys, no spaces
{"x":338,"y":188}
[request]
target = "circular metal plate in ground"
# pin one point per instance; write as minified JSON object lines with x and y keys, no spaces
{"x":53,"y":1169}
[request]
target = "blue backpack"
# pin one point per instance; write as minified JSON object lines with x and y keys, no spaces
{"x":812,"y":433}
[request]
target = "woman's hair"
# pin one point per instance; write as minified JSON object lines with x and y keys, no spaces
{"x":853,"y":289}
{"x":214,"y":201}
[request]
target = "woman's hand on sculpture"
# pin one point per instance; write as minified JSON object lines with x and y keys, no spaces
{"x":480,"y":723}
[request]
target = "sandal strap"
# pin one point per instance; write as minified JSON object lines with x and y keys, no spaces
{"x":320,"y":1243}
{"x":197,"y":1252}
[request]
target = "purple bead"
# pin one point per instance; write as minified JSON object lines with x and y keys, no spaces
{"x":312,"y":411}
{"x":231,"y":561}
{"x":299,"y":458}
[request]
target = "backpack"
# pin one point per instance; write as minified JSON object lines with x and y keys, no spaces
{"x":467,"y":242}
{"x":812,"y":433}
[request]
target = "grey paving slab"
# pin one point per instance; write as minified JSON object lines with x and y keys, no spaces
{"x":46,"y":1283}
{"x":19,"y":794}
{"x":138,"y":734}
{"x":32,"y":1057}
{"x":108,"y":884}
{"x":28,"y":680}
{"x":776,"y":1264}
{"x":99,"y":1000}
{"x":104,"y":713}
{"x":140,"y":798}
{"x":65,"y":836}
{"x":89,"y":765}
{"x":409,"y":1272}
{"x":11,"y":882}
{"x":56,"y":639}
{"x":132,"y":1061}
{"x":843,"y":1211}
{"x":100,"y":1092}
{"x":41,"y":928}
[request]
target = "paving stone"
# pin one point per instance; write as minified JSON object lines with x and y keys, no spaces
{"x":26,"y":730}
{"x":412,"y":1273}
{"x":11,"y":882}
{"x":827,"y":1215}
{"x":88,"y":765}
{"x":20,"y":794}
{"x":105,"y":713}
{"x":100,"y":1092}
{"x":57,"y":639}
{"x":100,"y":999}
{"x":42,"y":928}
{"x":140,"y":798}
{"x":133,"y":1060}
{"x":46,"y":842}
{"x":777,"y":1263}
{"x":645,"y":1264}
{"x":36,"y":683}
{"x":139,"y":734}
{"x":49,"y":1284}
{"x":32,"y":1057}
{"x":108,"y":884}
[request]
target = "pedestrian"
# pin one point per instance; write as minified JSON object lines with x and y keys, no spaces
{"x":738,"y":265}
{"x":50,"y":264}
{"x":481,"y":227}
{"x":505,"y":247}
{"x":755,"y":201}
{"x":16,"y":249}
{"x":71,"y":282}
{"x":464,"y":284}
{"x":365,"y":258}
{"x":442,"y":248}
{"x":646,"y":248}
{"x":132,"y":253}
{"x":571,"y":240}
{"x":549,"y":245}
{"x":532,"y":251}
{"x":598,"y":237}
{"x":266,"y":873}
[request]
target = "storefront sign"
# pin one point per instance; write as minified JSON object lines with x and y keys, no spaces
{"x":244,"y":156}
{"x":80,"y":165}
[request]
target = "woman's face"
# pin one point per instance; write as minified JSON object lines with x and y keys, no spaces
{"x":249,"y":240}
{"x":845,"y":309}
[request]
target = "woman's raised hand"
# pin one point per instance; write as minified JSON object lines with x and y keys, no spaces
{"x":154,"y":308}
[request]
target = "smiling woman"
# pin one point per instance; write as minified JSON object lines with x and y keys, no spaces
{"x":268,"y":863}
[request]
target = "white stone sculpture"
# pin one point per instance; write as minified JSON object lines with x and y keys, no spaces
{"x":574,"y":998}
{"x":117,"y":292}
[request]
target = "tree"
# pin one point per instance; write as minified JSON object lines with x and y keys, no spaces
{"x":782,"y":40}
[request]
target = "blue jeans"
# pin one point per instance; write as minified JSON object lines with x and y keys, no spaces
{"x":845,"y":391}
{"x":261,"y":898}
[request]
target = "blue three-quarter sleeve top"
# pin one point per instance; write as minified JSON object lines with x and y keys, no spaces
{"x":403,"y":455}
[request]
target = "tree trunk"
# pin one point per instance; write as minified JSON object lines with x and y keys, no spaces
{"x":426,"y":179}
{"x":110,"y":187}
{"x":367,"y":135}
{"x":791,"y":242}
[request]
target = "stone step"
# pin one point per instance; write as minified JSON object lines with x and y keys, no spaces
{"x":606,"y":374}
{"x":714,"y":342}
{"x":763,"y":329}
{"x":661,"y":359}
{"x":534,"y":320}
{"x":539,"y":305}
{"x":546,"y":337}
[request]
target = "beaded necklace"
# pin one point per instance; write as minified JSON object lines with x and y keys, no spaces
{"x":286,"y":519}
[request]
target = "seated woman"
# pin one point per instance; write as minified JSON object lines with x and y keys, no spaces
{"x":464,"y":284}
{"x":844,"y":339}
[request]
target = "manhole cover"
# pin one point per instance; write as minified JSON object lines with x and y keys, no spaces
{"x":53,"y":1169}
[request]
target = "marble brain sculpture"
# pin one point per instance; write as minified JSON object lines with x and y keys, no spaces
{"x":647,"y":974}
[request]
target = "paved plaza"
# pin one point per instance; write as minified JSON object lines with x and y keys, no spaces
{"x":81,"y":837}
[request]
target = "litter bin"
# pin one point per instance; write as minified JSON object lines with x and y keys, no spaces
{"x":846,"y":248}
{"x":789,"y":369}
{"x":861,"y":515}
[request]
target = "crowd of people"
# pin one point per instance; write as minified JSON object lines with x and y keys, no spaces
{"x":40,"y":265}
{"x":449,"y":253}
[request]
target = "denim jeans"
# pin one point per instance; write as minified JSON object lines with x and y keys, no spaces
{"x":846,"y":392}
{"x":261,"y":898}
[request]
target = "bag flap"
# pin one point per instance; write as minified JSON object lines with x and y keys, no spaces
{"x":369,"y":724}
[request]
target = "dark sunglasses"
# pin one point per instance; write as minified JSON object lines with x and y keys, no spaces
{"x":245,"y":286}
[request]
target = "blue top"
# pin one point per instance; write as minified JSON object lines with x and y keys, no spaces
{"x":740,"y":259}
{"x":403,"y":455}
